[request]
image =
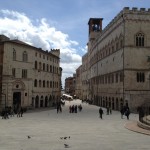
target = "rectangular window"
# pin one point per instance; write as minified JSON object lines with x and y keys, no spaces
{"x":140,"y":77}
{"x":24,"y":73}
{"x":14,"y":72}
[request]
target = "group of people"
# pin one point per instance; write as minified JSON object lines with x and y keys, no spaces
{"x":9,"y":111}
{"x":108,"y":111}
{"x":75,"y":108}
{"x":125,"y":111}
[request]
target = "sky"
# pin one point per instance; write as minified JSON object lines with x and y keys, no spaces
{"x":59,"y":24}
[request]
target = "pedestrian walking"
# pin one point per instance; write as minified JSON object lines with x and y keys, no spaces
{"x":80,"y":107}
{"x":58,"y":107}
{"x":11,"y":112}
{"x":127,"y":113}
{"x":122,"y":112}
{"x":21,"y":112}
{"x":70,"y":109}
{"x":101,"y":113}
{"x":107,"y":110}
{"x":75,"y":108}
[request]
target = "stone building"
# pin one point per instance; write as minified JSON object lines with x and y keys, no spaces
{"x":119,"y":60}
{"x":29,"y":76}
{"x":70,"y":83}
{"x":78,"y":88}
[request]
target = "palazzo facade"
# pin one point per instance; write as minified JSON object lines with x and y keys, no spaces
{"x":29,"y":76}
{"x":116,"y":68}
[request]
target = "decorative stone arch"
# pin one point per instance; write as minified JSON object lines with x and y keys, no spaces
{"x":139,"y":39}
{"x":18,"y":88}
{"x":18,"y":85}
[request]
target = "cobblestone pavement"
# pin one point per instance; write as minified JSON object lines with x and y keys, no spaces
{"x":47,"y":130}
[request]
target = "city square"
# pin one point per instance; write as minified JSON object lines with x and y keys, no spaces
{"x":45,"y":129}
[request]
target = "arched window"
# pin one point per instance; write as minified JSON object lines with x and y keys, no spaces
{"x":25,"y":56}
{"x":140,"y":39}
{"x":14,"y":54}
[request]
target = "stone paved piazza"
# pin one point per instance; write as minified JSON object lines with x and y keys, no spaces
{"x":46,"y":130}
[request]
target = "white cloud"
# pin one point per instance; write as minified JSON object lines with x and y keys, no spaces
{"x":18,"y":25}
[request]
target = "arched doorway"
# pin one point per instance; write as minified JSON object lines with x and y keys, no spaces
{"x":41,"y":101}
{"x":37,"y":102}
{"x":46,"y":101}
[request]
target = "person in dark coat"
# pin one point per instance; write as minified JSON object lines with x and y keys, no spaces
{"x":101,"y":113}
{"x":70,"y":109}
{"x":107,"y":110}
{"x":75,"y":108}
{"x":21,"y":112}
{"x":122,"y":112}
{"x":127,"y":113}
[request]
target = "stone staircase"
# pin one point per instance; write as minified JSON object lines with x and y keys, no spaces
{"x":145,"y":124}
